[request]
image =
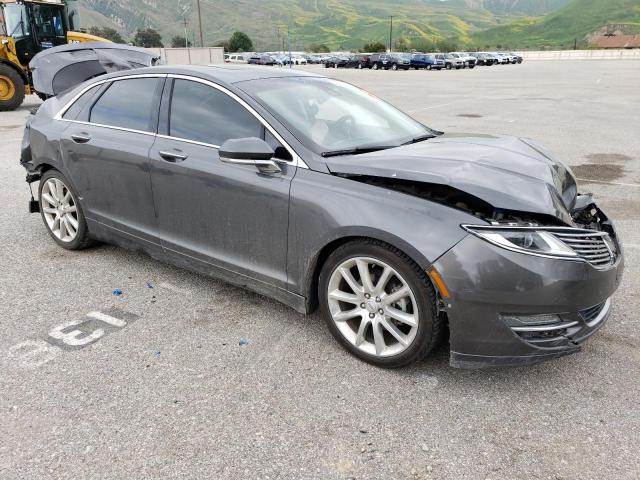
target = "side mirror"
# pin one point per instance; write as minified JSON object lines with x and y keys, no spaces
{"x":249,"y":151}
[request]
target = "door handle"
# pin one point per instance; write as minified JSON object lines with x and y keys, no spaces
{"x":80,"y":137}
{"x":176,"y":156}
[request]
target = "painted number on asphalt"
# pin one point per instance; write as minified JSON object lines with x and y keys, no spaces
{"x":71,"y":335}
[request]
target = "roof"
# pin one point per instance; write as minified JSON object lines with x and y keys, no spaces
{"x":228,"y":74}
{"x":616,"y":41}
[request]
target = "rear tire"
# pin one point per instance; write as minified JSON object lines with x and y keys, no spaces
{"x":11,"y":88}
{"x":417,"y":306}
{"x":394,"y":66}
{"x":71,"y":233}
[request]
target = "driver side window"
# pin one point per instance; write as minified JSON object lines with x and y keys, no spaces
{"x":204,"y":114}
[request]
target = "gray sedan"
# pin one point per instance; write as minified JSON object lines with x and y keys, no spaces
{"x":318,"y":194}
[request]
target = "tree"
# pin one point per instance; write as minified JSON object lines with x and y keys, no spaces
{"x":447,"y":45}
{"x":240,"y":42}
{"x":107,"y":33}
{"x":374,"y":47}
{"x":180,"y":42}
{"x":401,"y":45}
{"x":148,"y":38}
{"x":319,"y":48}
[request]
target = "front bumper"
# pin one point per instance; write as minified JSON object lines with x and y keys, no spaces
{"x":489,"y":285}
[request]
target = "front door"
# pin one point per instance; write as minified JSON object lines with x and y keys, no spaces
{"x":232,"y":219}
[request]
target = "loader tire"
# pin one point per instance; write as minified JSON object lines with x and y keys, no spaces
{"x":11,"y":88}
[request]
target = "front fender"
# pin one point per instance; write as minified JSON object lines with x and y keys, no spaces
{"x":325,"y":208}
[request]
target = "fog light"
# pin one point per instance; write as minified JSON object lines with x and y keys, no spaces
{"x":529,"y":320}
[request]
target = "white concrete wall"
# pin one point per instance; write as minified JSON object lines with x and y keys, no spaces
{"x":190,"y":56}
{"x":583,"y":54}
{"x":212,"y":55}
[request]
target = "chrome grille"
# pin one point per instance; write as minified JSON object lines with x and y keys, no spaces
{"x":591,"y":246}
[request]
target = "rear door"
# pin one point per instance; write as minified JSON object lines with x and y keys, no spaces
{"x":106,"y":150}
{"x":229,"y":218}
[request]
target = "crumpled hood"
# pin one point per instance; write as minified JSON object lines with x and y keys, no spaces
{"x":507,"y":172}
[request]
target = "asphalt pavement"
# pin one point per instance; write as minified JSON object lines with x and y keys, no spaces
{"x":189,"y":377}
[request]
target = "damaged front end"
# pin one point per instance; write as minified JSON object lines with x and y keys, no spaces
{"x":535,"y":276}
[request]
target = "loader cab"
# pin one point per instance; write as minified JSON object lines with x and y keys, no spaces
{"x":34,"y":26}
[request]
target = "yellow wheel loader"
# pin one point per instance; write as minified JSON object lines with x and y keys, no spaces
{"x":26,"y":28}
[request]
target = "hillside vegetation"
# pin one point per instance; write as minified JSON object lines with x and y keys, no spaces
{"x":339,"y":24}
{"x":564,"y":27}
{"x":349,"y":24}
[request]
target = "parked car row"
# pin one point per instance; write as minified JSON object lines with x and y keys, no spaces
{"x":384,"y":61}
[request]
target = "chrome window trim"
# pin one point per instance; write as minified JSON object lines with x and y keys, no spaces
{"x":63,"y":110}
{"x":194,"y":142}
{"x":297,"y":161}
{"x":112,"y":127}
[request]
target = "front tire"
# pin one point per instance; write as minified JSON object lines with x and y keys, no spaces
{"x":11,"y":88}
{"x":61,"y":212}
{"x":379,"y":304}
{"x":394,"y":67}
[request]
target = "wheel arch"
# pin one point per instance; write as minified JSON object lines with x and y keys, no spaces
{"x":319,"y":259}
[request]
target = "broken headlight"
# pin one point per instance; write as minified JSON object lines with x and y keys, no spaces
{"x":523,"y":240}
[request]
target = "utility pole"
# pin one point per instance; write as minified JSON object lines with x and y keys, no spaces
{"x":278,"y":36}
{"x":186,"y":37}
{"x":289,"y":40}
{"x":200,"y":25}
{"x":390,"y":34}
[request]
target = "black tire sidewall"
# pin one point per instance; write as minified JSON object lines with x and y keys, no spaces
{"x":18,"y":97}
{"x":82,"y":235}
{"x":422,"y":291}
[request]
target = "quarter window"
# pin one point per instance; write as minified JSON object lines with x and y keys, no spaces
{"x":126,"y":104}
{"x":73,"y":111}
{"x":204,"y":114}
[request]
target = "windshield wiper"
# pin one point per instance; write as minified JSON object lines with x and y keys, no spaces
{"x":421,"y":138}
{"x":356,"y":150}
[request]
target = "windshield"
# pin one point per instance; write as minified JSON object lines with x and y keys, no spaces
{"x":328,"y":115}
{"x":15,"y":17}
{"x":47,"y":20}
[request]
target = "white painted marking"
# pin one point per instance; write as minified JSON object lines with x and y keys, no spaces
{"x":108,"y":319}
{"x":609,"y":183}
{"x":35,"y":353}
{"x":173,"y":288}
{"x":75,"y":338}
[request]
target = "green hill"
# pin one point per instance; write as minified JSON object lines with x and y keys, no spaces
{"x":562,"y":28}
{"x":339,"y":24}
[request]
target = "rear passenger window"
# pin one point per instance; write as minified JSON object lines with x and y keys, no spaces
{"x":127,"y":104}
{"x":204,"y":114}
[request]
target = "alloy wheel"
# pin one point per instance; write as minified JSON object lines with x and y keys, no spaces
{"x":7,"y":89}
{"x":372,"y":306}
{"x":59,"y":209}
